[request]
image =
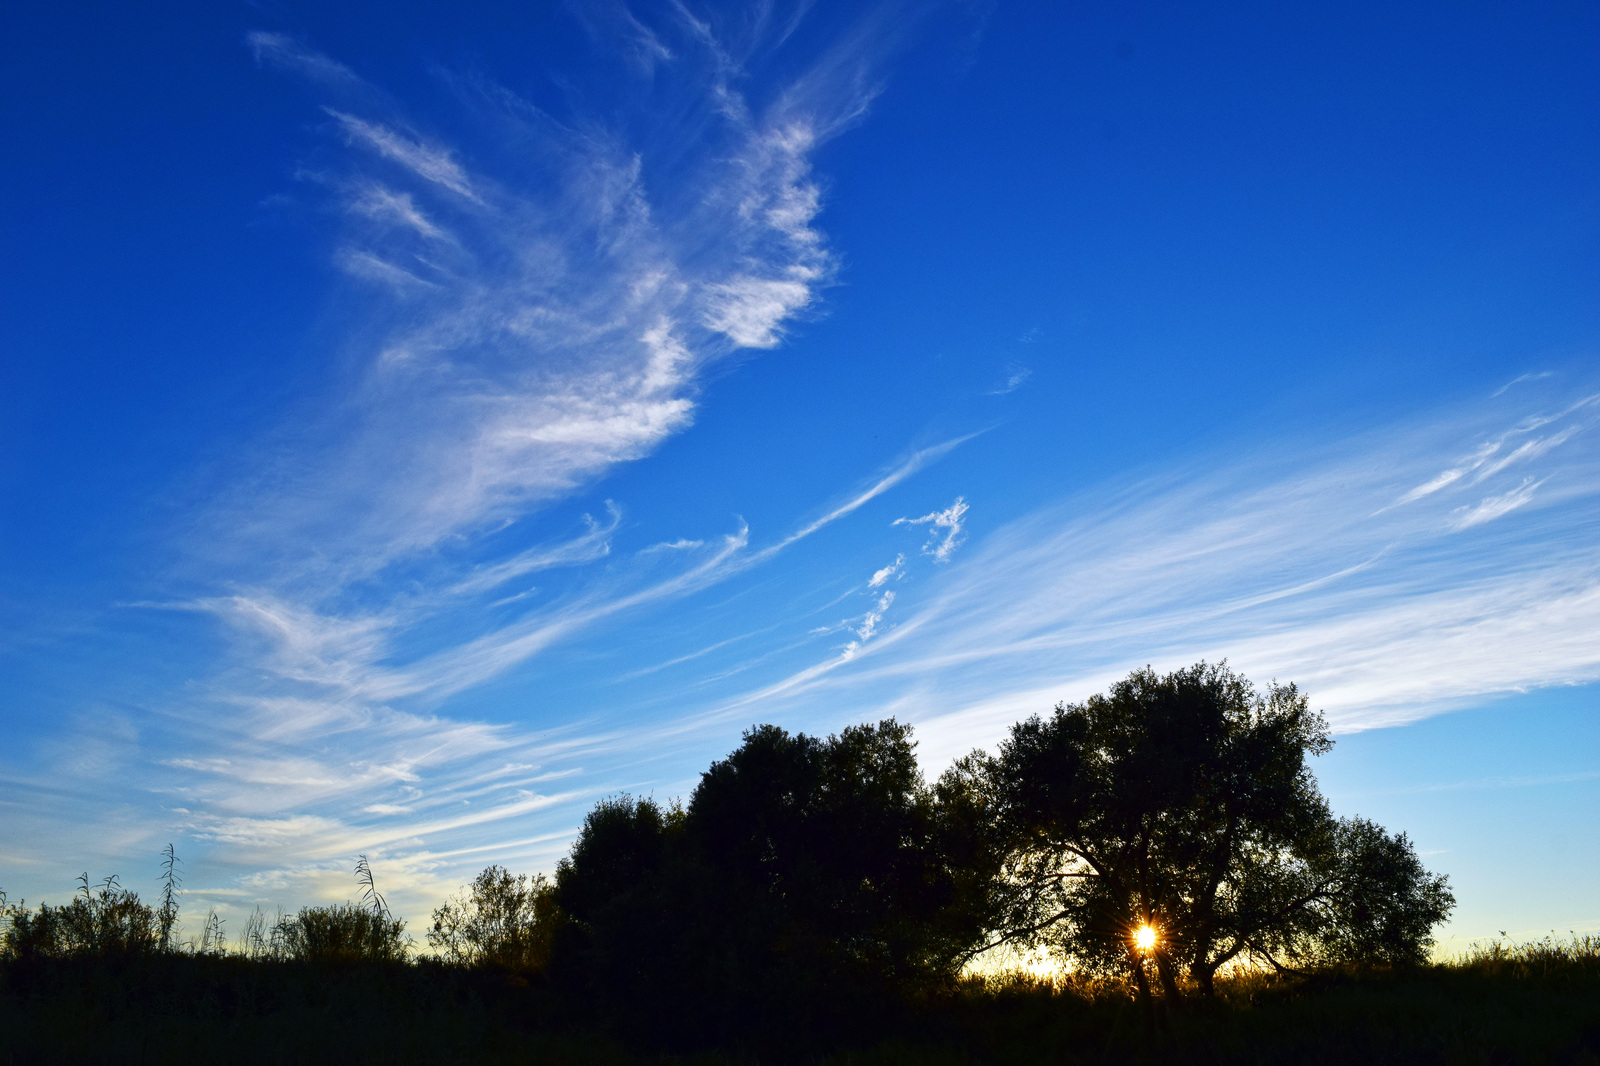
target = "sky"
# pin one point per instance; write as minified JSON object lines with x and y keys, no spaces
{"x":420,"y":421}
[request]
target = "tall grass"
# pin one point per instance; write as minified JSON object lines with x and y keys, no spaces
{"x":1578,"y":956}
{"x":171,"y":884}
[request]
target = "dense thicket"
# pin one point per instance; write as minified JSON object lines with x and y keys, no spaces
{"x":1537,"y":1003}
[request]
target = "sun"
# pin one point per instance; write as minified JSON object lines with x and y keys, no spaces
{"x":1144,"y":938}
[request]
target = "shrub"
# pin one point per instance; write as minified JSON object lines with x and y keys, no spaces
{"x":108,"y":920}
{"x":342,"y":933}
{"x":502,"y":921}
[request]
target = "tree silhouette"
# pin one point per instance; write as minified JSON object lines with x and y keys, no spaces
{"x":501,"y":921}
{"x":807,"y":881}
{"x":1179,"y":811}
{"x":840,"y":837}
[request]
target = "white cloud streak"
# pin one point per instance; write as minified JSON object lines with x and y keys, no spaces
{"x":867,"y":628}
{"x":1015,"y":377}
{"x":892,"y":570}
{"x":941,"y":545}
{"x":436,"y":165}
{"x":281,"y":50}
{"x":1303,"y":569}
{"x":1492,"y":507}
{"x":545,"y":303}
{"x":590,"y":547}
{"x":543,"y":330}
{"x":1519,"y":379}
{"x":915,"y":462}
{"x":383,"y":205}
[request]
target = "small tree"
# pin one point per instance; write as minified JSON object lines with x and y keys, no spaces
{"x":502,"y":921}
{"x":1174,"y":822}
{"x":629,"y":896}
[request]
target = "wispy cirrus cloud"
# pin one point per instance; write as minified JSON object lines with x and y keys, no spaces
{"x":867,"y":627}
{"x":916,"y":461}
{"x":1518,"y":444}
{"x":1491,"y":507}
{"x":1327,"y":568}
{"x":385,"y":205}
{"x":944,"y":529}
{"x":543,"y":331}
{"x":282,"y":50}
{"x":1519,"y":379}
{"x":428,"y":162}
{"x":880,"y":577}
{"x":1016,"y":376}
{"x":590,"y":547}
{"x":532,"y":301}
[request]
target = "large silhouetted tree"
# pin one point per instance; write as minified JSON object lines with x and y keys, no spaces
{"x":1184,"y":803}
{"x":841,"y":837}
{"x":807,"y":879}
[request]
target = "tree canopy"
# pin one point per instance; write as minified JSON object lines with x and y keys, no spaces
{"x":1183,"y":804}
{"x":804,"y":872}
{"x":810,"y":875}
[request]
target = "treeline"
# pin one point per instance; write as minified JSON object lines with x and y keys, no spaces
{"x":1153,"y":835}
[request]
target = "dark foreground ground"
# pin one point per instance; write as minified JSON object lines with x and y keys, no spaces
{"x":1512,"y":1008}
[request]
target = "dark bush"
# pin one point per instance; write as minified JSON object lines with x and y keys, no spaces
{"x":343,"y":933}
{"x":107,"y":920}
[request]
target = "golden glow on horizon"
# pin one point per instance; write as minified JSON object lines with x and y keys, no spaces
{"x":1144,"y":937}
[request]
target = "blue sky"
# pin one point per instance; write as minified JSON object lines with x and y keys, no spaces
{"x":420,"y":422}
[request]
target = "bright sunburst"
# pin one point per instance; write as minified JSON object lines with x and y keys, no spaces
{"x":1144,"y":938}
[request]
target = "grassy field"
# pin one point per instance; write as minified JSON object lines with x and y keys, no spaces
{"x":1536,"y":1003}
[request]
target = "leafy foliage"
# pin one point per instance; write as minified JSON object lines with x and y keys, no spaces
{"x":1533,"y":1003}
{"x":105,"y":920}
{"x":840,"y":838}
{"x":344,"y":932}
{"x":502,"y":922}
{"x":1184,"y":802}
{"x":806,"y":877}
